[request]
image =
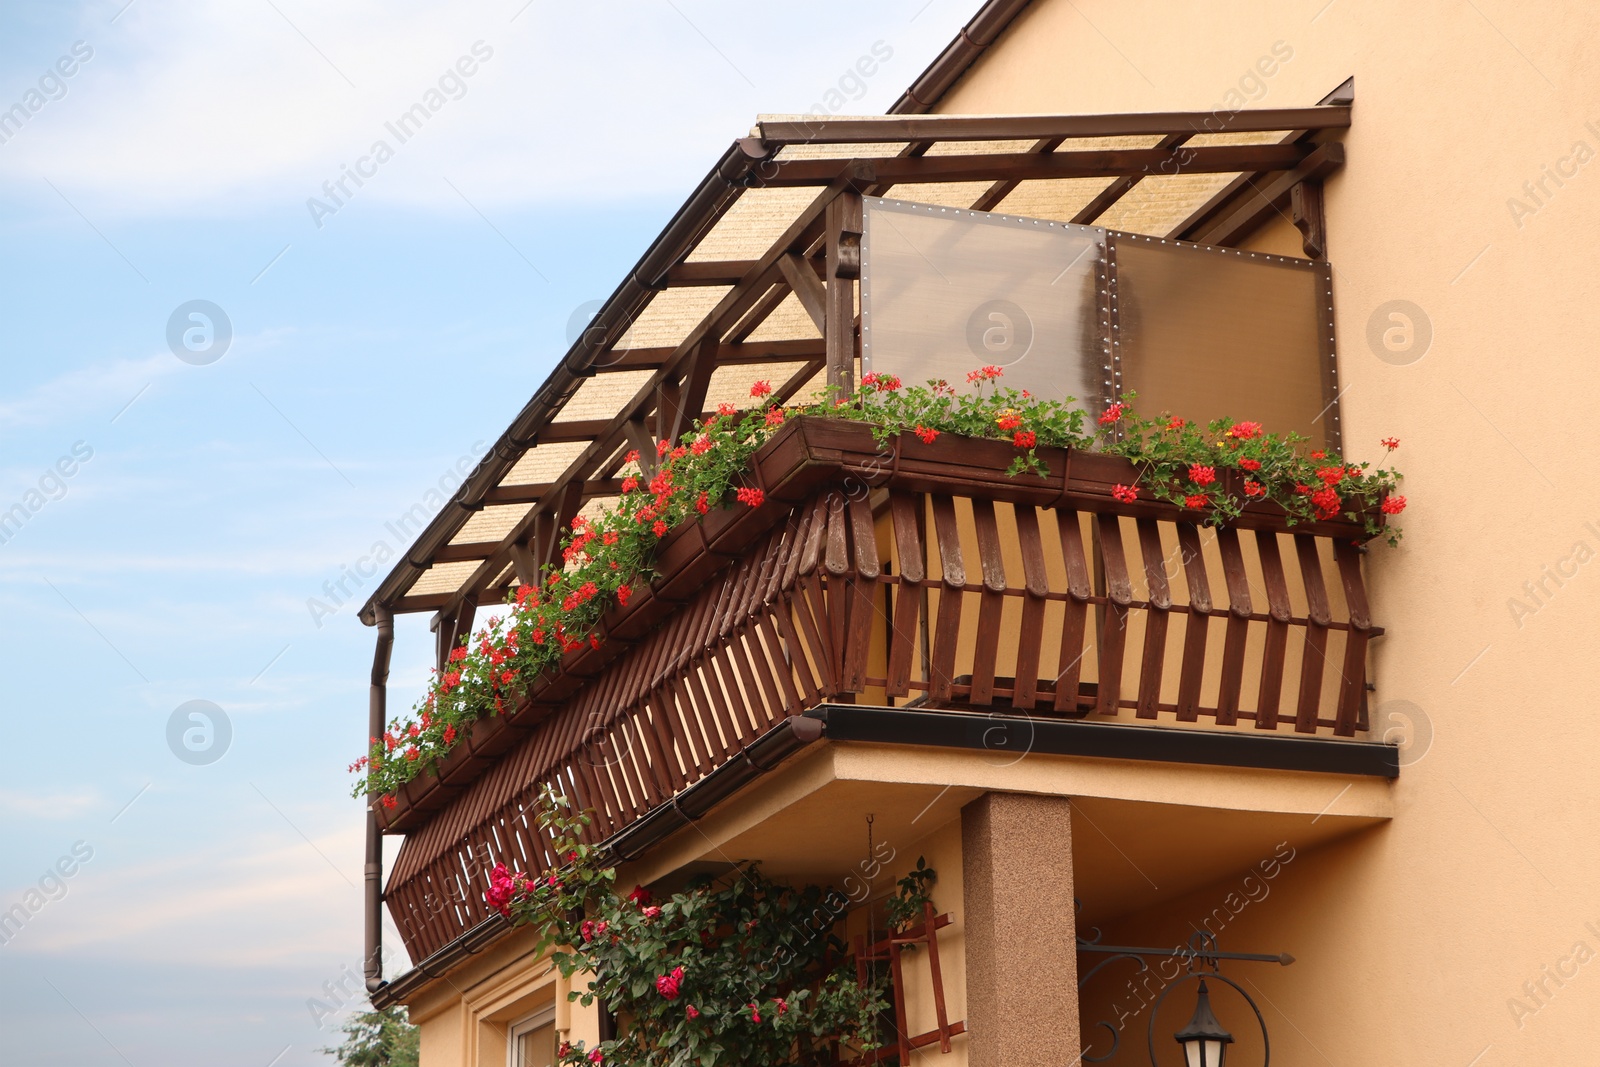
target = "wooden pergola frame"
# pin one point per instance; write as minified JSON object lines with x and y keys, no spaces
{"x":817,"y":259}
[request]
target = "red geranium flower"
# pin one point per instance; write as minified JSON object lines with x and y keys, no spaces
{"x":1391,"y":443}
{"x":1175,"y":423}
{"x":775,"y":417}
{"x":1196,"y":500}
{"x":1009,"y":421}
{"x":1244,"y":431}
{"x":1202,"y":475}
{"x":1023,"y":438}
{"x":754,"y":497}
{"x":726,"y":408}
{"x":1253,"y":488}
{"x":1394,"y":505}
{"x":1112,"y":413}
{"x":659,"y":528}
{"x":927,"y":434}
{"x":1250,"y":464}
{"x":762,"y":388}
{"x":623,"y":593}
{"x":702,"y":504}
{"x":1126,"y":494}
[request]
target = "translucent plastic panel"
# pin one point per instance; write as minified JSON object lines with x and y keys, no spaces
{"x":945,"y":290}
{"x":1208,"y":332}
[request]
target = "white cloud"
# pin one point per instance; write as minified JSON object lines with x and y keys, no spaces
{"x":181,"y":908}
{"x":204,"y":106}
{"x":49,"y":806}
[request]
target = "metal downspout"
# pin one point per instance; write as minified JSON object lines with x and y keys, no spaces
{"x":377,"y":713}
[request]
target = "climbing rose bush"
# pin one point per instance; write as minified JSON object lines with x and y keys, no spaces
{"x":1213,"y":471}
{"x":737,"y":970}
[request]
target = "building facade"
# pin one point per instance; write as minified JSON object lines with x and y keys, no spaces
{"x":1104,"y":724}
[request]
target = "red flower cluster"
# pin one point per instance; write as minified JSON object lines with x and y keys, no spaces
{"x":754,"y":497}
{"x":1202,"y":475}
{"x":1112,"y":413}
{"x":762,"y":388}
{"x":667,"y":985}
{"x":1196,"y":500}
{"x":882,"y":383}
{"x":1009,"y":421}
{"x":1326,"y":501}
{"x":1390,"y":443}
{"x":1125,"y":494}
{"x":1023,"y":438}
{"x":1245,"y":431}
{"x":1393,"y":505}
{"x":986,"y":373}
{"x":927,"y":435}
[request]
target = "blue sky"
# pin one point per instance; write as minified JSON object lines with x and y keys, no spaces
{"x":207,"y":903}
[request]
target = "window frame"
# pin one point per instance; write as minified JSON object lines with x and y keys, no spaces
{"x":545,"y":1016}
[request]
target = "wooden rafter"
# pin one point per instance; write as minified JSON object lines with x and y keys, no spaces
{"x":873,"y":130}
{"x":1033,"y":166}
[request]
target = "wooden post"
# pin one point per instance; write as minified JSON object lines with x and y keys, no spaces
{"x":844,"y":226}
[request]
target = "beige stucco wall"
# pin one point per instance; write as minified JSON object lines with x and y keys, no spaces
{"x":1414,"y":939}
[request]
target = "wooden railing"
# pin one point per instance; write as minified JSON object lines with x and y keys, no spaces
{"x":909,"y":574}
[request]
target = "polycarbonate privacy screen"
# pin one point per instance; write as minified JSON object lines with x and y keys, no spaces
{"x":946,"y":290}
{"x":1206,"y":332}
{"x":1081,"y":311}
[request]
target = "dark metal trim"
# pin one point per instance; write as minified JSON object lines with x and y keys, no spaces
{"x":976,"y":36}
{"x":1021,"y":735}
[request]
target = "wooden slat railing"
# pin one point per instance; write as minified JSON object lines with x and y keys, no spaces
{"x":882,"y":580}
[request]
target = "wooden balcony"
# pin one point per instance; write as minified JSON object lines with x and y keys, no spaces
{"x":905,"y":576}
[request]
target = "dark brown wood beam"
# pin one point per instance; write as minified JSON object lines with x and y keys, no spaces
{"x":454,"y":553}
{"x":727,"y":354}
{"x":1118,"y":189}
{"x":534,"y":492}
{"x":844,"y":230}
{"x":1023,"y":127}
{"x":1266,"y":196}
{"x":708,"y":272}
{"x":1028,"y":166}
{"x":997,"y":192}
{"x":805,"y":284}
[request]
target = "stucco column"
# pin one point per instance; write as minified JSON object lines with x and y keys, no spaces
{"x":1022,"y":966}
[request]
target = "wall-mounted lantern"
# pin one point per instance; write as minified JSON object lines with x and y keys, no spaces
{"x":1204,"y":1040}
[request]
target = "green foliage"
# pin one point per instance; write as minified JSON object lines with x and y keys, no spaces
{"x":734,"y":970}
{"x":1212,"y":471}
{"x":378,"y":1039}
{"x":905,"y":908}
